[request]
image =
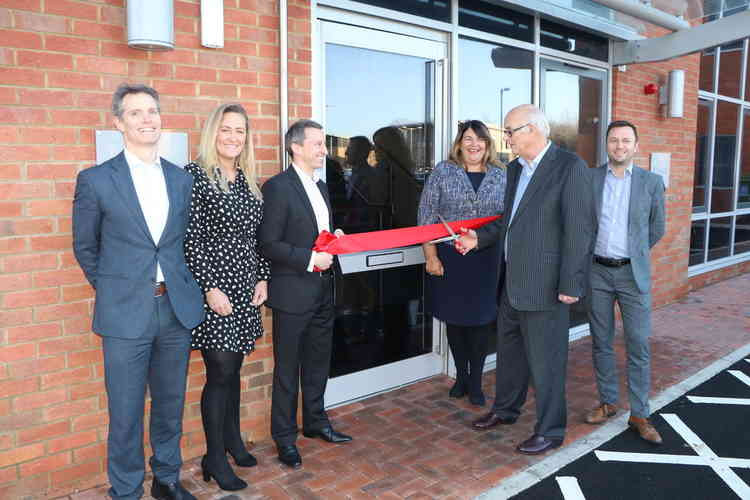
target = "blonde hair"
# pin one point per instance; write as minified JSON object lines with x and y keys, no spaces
{"x":208,"y":159}
{"x":479,"y":128}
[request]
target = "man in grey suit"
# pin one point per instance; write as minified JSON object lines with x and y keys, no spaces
{"x":130,"y":215}
{"x":629,"y":204}
{"x":545,"y":239}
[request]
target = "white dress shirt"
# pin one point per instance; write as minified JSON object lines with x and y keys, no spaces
{"x":318,"y":203}
{"x":151,"y":188}
{"x":612,"y":239}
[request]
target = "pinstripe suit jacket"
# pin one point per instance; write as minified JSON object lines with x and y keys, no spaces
{"x":549,"y":237}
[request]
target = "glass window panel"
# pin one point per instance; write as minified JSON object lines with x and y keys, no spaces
{"x":743,"y":195}
{"x":434,"y":9}
{"x":725,"y":148}
{"x":702,"y":133}
{"x":742,"y":234}
{"x":730,"y":69}
{"x":708,"y":62}
{"x":493,"y":80}
{"x":747,"y":75}
{"x":492,"y":18}
{"x":719,"y":233}
{"x":697,"y":242}
{"x":557,"y":36}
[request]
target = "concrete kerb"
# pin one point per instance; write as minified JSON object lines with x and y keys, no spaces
{"x":535,"y":473}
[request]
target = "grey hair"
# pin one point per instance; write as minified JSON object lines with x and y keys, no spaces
{"x":536,"y":116}
{"x":125,"y":89}
{"x":296,"y":133}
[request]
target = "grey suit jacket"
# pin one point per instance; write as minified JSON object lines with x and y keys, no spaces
{"x":549,"y":235}
{"x":114,"y":247}
{"x":286,"y":236}
{"x":646,"y":223}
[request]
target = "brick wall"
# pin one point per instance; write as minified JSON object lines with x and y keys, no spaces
{"x":60,"y":60}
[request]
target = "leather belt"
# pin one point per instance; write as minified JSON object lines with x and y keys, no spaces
{"x":160,"y":289}
{"x":608,"y":262}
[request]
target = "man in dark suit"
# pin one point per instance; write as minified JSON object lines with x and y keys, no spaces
{"x":130,"y":215}
{"x":295,"y":210}
{"x":544,"y":237}
{"x":629,"y":203}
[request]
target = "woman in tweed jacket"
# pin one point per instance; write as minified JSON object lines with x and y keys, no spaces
{"x":467,"y":186}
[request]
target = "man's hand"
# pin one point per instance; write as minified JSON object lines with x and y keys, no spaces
{"x":433,"y":266}
{"x":467,"y":241}
{"x":323,"y":260}
{"x":260,"y":294}
{"x":218,"y":302}
{"x":567,"y":299}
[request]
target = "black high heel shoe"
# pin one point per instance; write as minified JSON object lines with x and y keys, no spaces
{"x":227,"y":479}
{"x":245,"y":460}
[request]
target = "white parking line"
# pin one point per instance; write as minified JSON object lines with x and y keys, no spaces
{"x":719,"y":401}
{"x":743,"y":378}
{"x":569,"y":488}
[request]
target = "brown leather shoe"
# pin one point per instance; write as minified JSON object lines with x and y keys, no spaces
{"x":601,"y":413}
{"x":644,"y":429}
{"x":492,"y":419}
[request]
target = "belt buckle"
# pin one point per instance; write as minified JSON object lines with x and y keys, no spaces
{"x":160,"y":288}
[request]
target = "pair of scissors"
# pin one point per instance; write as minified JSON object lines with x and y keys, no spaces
{"x":453,"y":236}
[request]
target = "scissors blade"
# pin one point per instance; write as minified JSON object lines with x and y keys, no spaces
{"x":447,"y":227}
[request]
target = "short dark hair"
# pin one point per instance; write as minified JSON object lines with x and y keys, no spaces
{"x":125,"y":89}
{"x":296,"y":133}
{"x":622,"y":123}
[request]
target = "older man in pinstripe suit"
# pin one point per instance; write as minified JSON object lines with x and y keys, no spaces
{"x":545,"y":237}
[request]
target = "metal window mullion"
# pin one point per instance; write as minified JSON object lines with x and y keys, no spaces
{"x":743,"y":71}
{"x":536,"y":96}
{"x":737,"y":157}
{"x":710,"y":178}
{"x":494,"y":38}
{"x":454,"y":98}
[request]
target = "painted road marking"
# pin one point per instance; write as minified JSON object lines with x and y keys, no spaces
{"x":570,"y":488}
{"x":719,"y":401}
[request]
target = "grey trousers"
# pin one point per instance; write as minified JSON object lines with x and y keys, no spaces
{"x":610,"y":284}
{"x":157,"y":360}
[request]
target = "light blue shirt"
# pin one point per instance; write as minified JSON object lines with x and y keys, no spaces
{"x":527,"y":172}
{"x":612,"y":239}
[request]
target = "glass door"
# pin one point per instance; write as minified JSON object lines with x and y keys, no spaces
{"x":574,"y":99}
{"x":382,"y":108}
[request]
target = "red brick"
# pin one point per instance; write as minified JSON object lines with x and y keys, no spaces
{"x":72,"y":441}
{"x":35,"y":97}
{"x":175,"y":88}
{"x":73,"y":81}
{"x":31,"y":298}
{"x":90,"y":421}
{"x":25,"y":77}
{"x":7,"y":94}
{"x":237,"y":16}
{"x":185,"y":25}
{"x":44,"y":243}
{"x":45,"y":60}
{"x":32,"y":262}
{"x":70,"y":44}
{"x":113,"y":15}
{"x":73,"y":326}
{"x":33,"y":5}
{"x":38,"y":400}
{"x":23,"y":153}
{"x":65,"y":344}
{"x":217,"y":59}
{"x":21,"y":454}
{"x":182,"y":56}
{"x":26,"y":226}
{"x":178,"y":121}
{"x":228,"y":91}
{"x":78,"y":292}
{"x":195,"y":73}
{"x":46,"y":464}
{"x":69,"y":410}
{"x":10,"y":209}
{"x":101,"y":65}
{"x":15,"y":317}
{"x":74,"y":153}
{"x":94,"y":100}
{"x":51,"y":171}
{"x":9,"y":135}
{"x":66,"y":378}
{"x":120,"y":49}
{"x":20,"y":39}
{"x":88,"y":453}
{"x":48,"y":135}
{"x":43,"y":432}
{"x":31,"y":367}
{"x":17,"y":387}
{"x":242,"y":48}
{"x":49,"y":207}
{"x":83,"y":391}
{"x":40,"y":22}
{"x":71,"y":9}
{"x":32,"y":332}
{"x":96,"y":30}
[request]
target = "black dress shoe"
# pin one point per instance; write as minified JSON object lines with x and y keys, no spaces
{"x":223,"y":474}
{"x":491,"y":420}
{"x":328,"y":434}
{"x":289,"y":456}
{"x":244,"y":460}
{"x":537,"y":444}
{"x":458,"y":390}
{"x":477,"y":399}
{"x":170,"y":491}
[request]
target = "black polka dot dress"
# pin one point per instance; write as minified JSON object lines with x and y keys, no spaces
{"x":222,"y":252}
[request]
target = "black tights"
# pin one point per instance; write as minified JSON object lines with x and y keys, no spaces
{"x":469,"y":347}
{"x":220,"y":405}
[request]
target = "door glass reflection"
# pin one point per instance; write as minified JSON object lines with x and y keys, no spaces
{"x":379,"y":125}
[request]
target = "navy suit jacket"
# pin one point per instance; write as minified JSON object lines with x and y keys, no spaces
{"x":114,"y":247}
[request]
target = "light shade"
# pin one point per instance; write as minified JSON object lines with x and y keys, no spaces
{"x":212,"y":23}
{"x":151,"y":24}
{"x":676,"y":100}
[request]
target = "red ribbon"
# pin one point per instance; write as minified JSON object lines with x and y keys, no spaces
{"x":392,"y":238}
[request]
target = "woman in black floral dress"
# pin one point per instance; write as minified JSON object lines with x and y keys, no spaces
{"x":221,"y":251}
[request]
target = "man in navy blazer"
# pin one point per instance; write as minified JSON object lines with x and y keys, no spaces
{"x":629,"y":221}
{"x":129,"y":220}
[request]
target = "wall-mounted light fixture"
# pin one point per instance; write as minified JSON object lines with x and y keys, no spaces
{"x":676,"y":100}
{"x":212,"y":23}
{"x":151,"y":24}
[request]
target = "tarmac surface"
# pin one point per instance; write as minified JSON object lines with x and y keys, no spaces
{"x":416,"y":443}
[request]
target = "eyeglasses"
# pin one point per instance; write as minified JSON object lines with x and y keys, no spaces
{"x":509,"y":132}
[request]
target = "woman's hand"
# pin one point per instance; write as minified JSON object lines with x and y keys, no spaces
{"x":433,"y":266}
{"x":260,"y":294}
{"x":218,"y":302}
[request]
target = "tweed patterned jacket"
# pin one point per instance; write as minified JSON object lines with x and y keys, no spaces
{"x":448,"y":192}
